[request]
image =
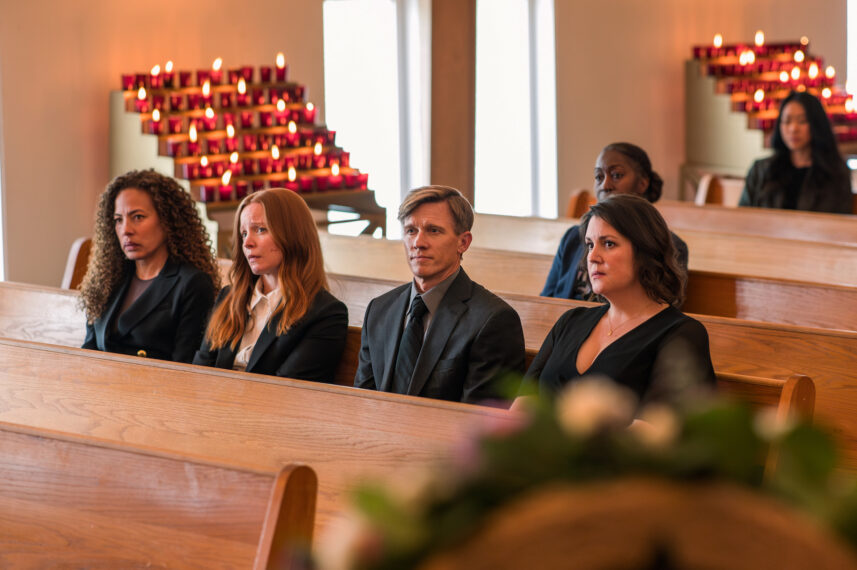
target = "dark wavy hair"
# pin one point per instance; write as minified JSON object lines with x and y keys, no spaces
{"x":187,"y":240}
{"x":655,"y":259}
{"x":827,"y":164}
{"x":300,"y":277}
{"x":642,"y":166}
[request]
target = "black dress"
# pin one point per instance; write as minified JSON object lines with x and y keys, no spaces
{"x":659,"y":360}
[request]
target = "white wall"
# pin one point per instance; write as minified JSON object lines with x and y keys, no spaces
{"x":59,"y":59}
{"x":620,"y":69}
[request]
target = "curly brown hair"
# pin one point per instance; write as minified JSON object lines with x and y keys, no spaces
{"x":655,"y":257}
{"x":187,"y":240}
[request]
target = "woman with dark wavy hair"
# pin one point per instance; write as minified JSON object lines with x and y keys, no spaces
{"x":638,"y":337}
{"x":151,"y":277}
{"x":276,"y":316}
{"x":806,"y":171}
{"x":621,"y":168}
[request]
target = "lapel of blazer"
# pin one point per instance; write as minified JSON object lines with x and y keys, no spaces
{"x":393,"y":325}
{"x":266,"y":337}
{"x":151,"y":298}
{"x":453,"y":305}
{"x":102,"y":324}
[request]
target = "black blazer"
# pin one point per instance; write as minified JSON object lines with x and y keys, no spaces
{"x":167,"y":321}
{"x":473,"y":336}
{"x":310,"y":350}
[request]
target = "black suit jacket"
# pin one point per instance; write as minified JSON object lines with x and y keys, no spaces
{"x":167,"y":321}
{"x":472,"y":337}
{"x":310,"y":350}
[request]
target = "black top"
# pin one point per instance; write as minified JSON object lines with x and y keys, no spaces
{"x":659,"y":359}
{"x":793,"y":183}
{"x":763,"y":188}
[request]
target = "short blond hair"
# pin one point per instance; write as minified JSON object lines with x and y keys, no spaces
{"x":462,"y":211}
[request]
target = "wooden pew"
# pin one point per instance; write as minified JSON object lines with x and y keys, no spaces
{"x":72,"y":501}
{"x":750,"y":298}
{"x":50,"y":315}
{"x":781,"y":224}
{"x":225,"y":416}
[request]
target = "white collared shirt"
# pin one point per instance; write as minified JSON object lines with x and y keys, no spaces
{"x":260,"y":309}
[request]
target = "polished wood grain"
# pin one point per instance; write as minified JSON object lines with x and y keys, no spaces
{"x":343,"y":433}
{"x":71,"y":501}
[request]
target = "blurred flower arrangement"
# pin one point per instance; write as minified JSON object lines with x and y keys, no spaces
{"x":583,"y":436}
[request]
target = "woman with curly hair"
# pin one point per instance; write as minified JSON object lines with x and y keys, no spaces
{"x":151,"y":279}
{"x":621,"y":168}
{"x":638,"y":338}
{"x":276,"y":317}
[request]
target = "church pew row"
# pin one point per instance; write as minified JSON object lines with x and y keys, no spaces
{"x":223,"y":416}
{"x":710,"y":251}
{"x":717,"y":294}
{"x":784,"y":224}
{"x":50,"y":315}
{"x":71,"y":501}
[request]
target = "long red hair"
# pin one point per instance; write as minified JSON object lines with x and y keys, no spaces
{"x":301,"y":276}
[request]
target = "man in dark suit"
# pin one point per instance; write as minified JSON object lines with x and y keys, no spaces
{"x":442,"y":335}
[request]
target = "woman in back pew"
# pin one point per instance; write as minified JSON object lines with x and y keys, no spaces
{"x":621,"y":168}
{"x":638,"y":337}
{"x":806,"y":171}
{"x":276,"y":316}
{"x":151,"y":278}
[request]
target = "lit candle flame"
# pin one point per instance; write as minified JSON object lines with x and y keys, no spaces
{"x":233,"y":158}
{"x":191,"y":133}
{"x":334,"y":169}
{"x":141,"y":93}
{"x":801,"y":88}
{"x":784,"y":76}
{"x":293,"y":128}
{"x":281,"y":105}
{"x":169,"y":67}
{"x":718,"y":40}
{"x":804,"y":40}
{"x":760,"y":38}
{"x":227,"y":176}
{"x":275,"y":152}
{"x":747,"y":57}
{"x":317,"y":149}
{"x":292,"y":174}
{"x":230,"y":131}
{"x":209,"y":113}
{"x":751,"y":57}
{"x":156,"y":115}
{"x":206,"y":88}
{"x":310,"y":106}
{"x":242,"y":86}
{"x":156,"y":70}
{"x":830,"y":72}
{"x":813,"y":70}
{"x":203,"y":161}
{"x":281,"y":60}
{"x":826,"y":92}
{"x":759,"y":95}
{"x":799,"y":56}
{"x":849,"y":105}
{"x":795,"y":73}
{"x":218,"y":63}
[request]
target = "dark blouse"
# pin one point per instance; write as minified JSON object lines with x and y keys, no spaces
{"x":660,"y":360}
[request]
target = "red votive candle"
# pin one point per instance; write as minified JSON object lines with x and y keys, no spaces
{"x":298,"y":92}
{"x":363,"y":181}
{"x":246,"y":119}
{"x":330,"y":137}
{"x":249,"y":166}
{"x":141,"y":80}
{"x":213,"y":145}
{"x":243,"y":99}
{"x":258,"y":185}
{"x":321,"y":182}
{"x":241,"y":189}
{"x":234,"y":75}
{"x":154,"y":127}
{"x":350,"y":179}
{"x":305,"y":183}
{"x":127,"y":82}
{"x":249,"y":143}
{"x":265,"y":73}
{"x":266,"y":165}
{"x":334,"y":181}
{"x":169,"y":78}
{"x":218,"y":167}
{"x":176,"y":101}
{"x":192,"y":148}
{"x":291,"y":185}
{"x":319,"y":160}
{"x":228,"y":119}
{"x":206,"y":193}
{"x":226,"y":99}
{"x":215,"y":76}
{"x":185,"y":78}
{"x":190,"y":170}
{"x":281,"y":72}
{"x":231,"y":144}
{"x":174,"y":148}
{"x":202,"y":75}
{"x":344,"y":159}
{"x":247,"y":73}
{"x":225,"y":192}
{"x":158,"y":102}
{"x":194,"y":101}
{"x":266,"y":119}
{"x":264,"y":142}
{"x":155,"y":80}
{"x":305,"y":160}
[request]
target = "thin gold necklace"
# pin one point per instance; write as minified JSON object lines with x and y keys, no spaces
{"x":622,"y":324}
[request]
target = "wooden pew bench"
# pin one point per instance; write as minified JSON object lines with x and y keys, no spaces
{"x":72,"y":501}
{"x":725,"y":295}
{"x":738,"y":347}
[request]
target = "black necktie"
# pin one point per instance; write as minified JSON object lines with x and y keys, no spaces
{"x":409,"y":347}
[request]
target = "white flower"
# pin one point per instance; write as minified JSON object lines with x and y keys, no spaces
{"x":658,"y":426}
{"x":770,"y":426}
{"x":593,"y":403}
{"x":346,"y":540}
